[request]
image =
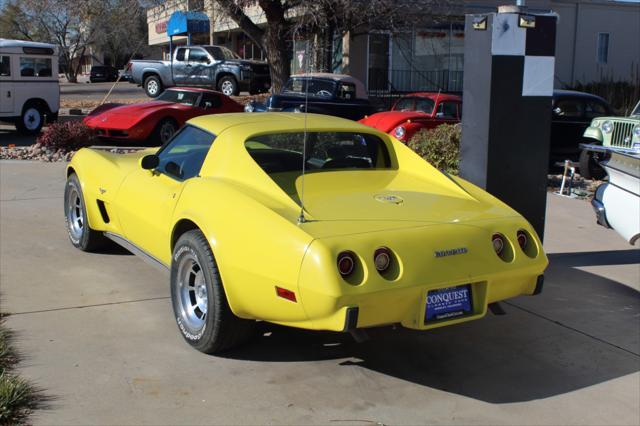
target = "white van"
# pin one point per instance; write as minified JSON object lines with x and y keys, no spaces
{"x":29,"y":88}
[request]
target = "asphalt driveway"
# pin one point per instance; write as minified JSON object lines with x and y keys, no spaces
{"x":99,"y":336}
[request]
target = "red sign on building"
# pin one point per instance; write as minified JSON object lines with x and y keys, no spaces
{"x":161,"y":27}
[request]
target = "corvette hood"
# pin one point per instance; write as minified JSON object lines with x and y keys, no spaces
{"x":146,"y":108}
{"x":385,"y":196}
{"x":388,"y":120}
{"x":125,"y":116}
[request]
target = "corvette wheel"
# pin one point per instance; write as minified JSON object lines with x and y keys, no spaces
{"x":75,"y":214}
{"x":199,"y":302}
{"x":164,"y":131}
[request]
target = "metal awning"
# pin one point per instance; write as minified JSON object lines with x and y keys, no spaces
{"x":184,"y":23}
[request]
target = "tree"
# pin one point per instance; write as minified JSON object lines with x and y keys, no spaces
{"x":15,"y":24}
{"x":323,"y":19}
{"x":122,"y":31}
{"x":71,"y":24}
{"x":273,"y":39}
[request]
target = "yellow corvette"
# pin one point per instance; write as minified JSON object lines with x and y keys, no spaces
{"x":370,"y":234}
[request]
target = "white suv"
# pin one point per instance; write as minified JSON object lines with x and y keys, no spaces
{"x":29,"y":88}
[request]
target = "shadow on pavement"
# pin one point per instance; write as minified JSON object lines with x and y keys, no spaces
{"x":597,"y":258}
{"x":531,"y":353}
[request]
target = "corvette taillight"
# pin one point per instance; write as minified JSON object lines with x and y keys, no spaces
{"x":498,"y":243}
{"x":523,"y":240}
{"x":346,"y":263}
{"x":382,"y":259}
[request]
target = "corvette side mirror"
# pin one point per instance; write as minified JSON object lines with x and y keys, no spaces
{"x":149,"y":162}
{"x":173,"y":169}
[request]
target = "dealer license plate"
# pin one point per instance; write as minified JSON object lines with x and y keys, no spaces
{"x":448,"y":303}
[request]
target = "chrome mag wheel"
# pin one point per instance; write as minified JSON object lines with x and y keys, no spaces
{"x":193,"y":293}
{"x":75,"y":214}
{"x":167,"y":130}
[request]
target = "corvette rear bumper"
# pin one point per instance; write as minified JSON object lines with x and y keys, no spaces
{"x":407,"y":306}
{"x":399,"y":295}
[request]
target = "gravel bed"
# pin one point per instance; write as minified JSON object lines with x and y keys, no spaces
{"x":47,"y":154}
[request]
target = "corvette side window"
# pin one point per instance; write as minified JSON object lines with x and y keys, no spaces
{"x":183,"y":156}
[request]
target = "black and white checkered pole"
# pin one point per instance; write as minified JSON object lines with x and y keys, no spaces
{"x":508,"y":85}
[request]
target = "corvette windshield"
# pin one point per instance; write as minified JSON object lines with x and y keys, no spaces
{"x":326,"y":151}
{"x":179,"y":97}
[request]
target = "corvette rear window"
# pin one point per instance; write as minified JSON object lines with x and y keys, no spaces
{"x":326,"y":151}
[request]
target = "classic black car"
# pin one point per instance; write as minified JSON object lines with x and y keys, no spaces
{"x":572,"y":114}
{"x":331,"y":94}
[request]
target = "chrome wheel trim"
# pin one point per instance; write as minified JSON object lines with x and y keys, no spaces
{"x":193,"y":295}
{"x":31,"y":118}
{"x":152,"y":87}
{"x":167,"y":130}
{"x":227,"y":88}
{"x":75,"y":216}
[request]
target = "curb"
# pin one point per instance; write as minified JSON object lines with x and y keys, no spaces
{"x":74,"y":111}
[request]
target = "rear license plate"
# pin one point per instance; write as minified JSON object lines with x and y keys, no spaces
{"x":448,"y":303}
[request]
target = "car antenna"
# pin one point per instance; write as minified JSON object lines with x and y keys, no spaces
{"x":301,"y":218}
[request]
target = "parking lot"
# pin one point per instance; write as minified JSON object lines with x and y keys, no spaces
{"x":99,"y":337}
{"x":83,"y":90}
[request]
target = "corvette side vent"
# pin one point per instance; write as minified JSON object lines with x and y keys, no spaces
{"x":103,"y":211}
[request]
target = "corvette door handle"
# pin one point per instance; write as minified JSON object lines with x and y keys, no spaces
{"x":8,"y":93}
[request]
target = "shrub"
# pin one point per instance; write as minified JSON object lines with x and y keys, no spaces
{"x":68,"y":136}
{"x":622,"y":95}
{"x":439,"y":146}
{"x":18,"y":397}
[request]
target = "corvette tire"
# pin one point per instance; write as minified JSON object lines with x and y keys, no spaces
{"x":200,"y":306}
{"x":164,"y":131}
{"x":75,"y":215}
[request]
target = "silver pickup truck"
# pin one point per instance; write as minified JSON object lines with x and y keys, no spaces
{"x":213,"y":67}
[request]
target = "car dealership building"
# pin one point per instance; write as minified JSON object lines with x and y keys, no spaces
{"x":596,"y":40}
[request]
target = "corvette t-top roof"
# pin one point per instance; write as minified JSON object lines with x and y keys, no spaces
{"x":252,"y":123}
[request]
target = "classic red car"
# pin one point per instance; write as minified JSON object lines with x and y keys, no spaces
{"x":156,"y":121}
{"x":417,"y":111}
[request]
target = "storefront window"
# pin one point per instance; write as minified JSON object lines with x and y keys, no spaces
{"x":425,"y":59}
{"x":379,"y":61}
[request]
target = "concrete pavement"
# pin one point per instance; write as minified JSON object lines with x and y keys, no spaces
{"x":99,"y":336}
